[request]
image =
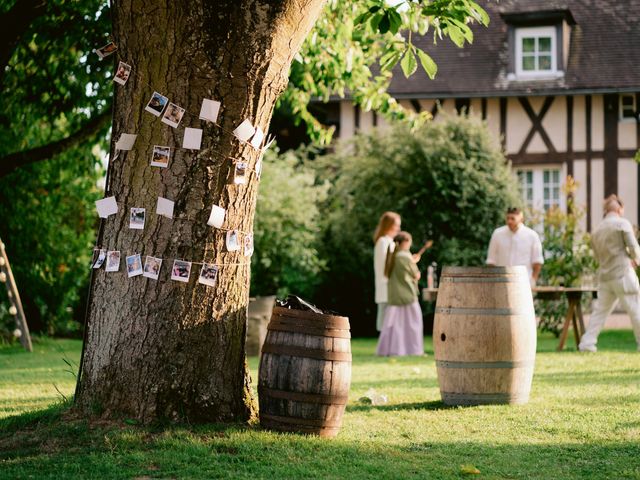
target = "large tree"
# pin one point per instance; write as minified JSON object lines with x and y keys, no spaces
{"x":174,"y":350}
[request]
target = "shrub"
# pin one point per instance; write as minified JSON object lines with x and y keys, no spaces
{"x":47,"y":223}
{"x":287,"y":227}
{"x":449,"y":181}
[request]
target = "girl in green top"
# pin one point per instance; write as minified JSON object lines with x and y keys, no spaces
{"x":402,"y":330}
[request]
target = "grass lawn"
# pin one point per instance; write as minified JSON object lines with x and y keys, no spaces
{"x":583,"y":421}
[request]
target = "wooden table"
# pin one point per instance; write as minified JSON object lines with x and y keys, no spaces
{"x":574,"y":312}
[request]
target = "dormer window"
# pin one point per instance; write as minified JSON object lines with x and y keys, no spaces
{"x":536,"y":51}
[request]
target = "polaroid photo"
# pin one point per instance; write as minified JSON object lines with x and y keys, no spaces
{"x":134,"y":265}
{"x":152,"y":267}
{"x":123,"y":72}
{"x":216,"y":217}
{"x":172,"y":115}
{"x":208,"y":275}
{"x":156,"y":104}
{"x":244,"y":131}
{"x":136,"y":219}
{"x":240,"y":173}
{"x":259,"y":168}
{"x":181,"y":271}
{"x":248,"y":245}
{"x":160,"y":156}
{"x":102,"y":255}
{"x":233,"y":241}
{"x":107,"y":50}
{"x":113,"y":261}
{"x":106,"y":206}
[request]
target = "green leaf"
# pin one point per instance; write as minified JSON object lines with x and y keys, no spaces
{"x":375,"y":21}
{"x":395,"y":19}
{"x":385,"y":24}
{"x":409,"y":63}
{"x":455,"y":35}
{"x":427,"y":63}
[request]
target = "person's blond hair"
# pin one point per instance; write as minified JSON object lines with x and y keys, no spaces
{"x":385,"y":224}
{"x":612,"y":204}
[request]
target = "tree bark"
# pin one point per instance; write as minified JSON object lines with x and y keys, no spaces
{"x":165,"y":349}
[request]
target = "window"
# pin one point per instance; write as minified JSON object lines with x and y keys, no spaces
{"x":541,"y":187}
{"x":536,"y":51}
{"x":628,"y":106}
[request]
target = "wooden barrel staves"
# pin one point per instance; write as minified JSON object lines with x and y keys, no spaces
{"x":305,"y":372}
{"x":484,"y":335}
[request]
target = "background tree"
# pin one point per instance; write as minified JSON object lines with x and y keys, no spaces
{"x":449,"y":181}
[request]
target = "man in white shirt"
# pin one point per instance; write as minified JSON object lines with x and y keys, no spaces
{"x":617,"y":252}
{"x":516,"y":244}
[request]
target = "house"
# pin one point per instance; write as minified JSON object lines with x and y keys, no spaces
{"x":558,"y":82}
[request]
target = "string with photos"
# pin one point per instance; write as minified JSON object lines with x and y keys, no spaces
{"x":127,"y":254}
{"x":246,"y":169}
{"x":265,"y":142}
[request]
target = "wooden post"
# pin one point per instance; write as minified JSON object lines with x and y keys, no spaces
{"x":6,"y":276}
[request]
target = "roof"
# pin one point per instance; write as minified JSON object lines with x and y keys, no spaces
{"x":604,"y":53}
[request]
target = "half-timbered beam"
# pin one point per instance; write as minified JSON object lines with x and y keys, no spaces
{"x":536,"y":123}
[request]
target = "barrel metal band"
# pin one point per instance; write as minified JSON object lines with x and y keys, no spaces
{"x":306,"y":352}
{"x":473,"y":398}
{"x":509,"y":279}
{"x":321,"y":398}
{"x":501,"y":364}
{"x":301,"y":422}
{"x":291,"y":327}
{"x":515,"y":270}
{"x":481,"y":311}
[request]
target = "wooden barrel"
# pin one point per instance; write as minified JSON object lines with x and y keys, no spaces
{"x":484,"y":335}
{"x":305,"y":372}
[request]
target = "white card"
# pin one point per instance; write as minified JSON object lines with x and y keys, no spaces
{"x":192,"y":138}
{"x":165,"y":207}
{"x":106,"y":206}
{"x":126,"y":141}
{"x":216,"y":218}
{"x":244,"y":131}
{"x":209,"y":110}
{"x":256,"y":141}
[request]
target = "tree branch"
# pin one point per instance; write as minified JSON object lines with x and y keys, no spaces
{"x":10,"y":162}
{"x":15,"y":23}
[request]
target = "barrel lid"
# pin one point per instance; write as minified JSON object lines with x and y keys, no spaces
{"x":332,"y":321}
{"x":484,"y":270}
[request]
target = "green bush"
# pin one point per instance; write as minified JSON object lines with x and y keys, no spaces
{"x":47,"y":223}
{"x":449,"y":181}
{"x":287,"y":227}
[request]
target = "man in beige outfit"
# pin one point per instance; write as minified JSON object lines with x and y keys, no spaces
{"x":617,"y":252}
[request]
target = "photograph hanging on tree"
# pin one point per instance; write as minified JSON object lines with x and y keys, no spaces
{"x":160,"y":156}
{"x":156,"y":104}
{"x":102,"y":255}
{"x":248,"y":245}
{"x":181,"y":271}
{"x":233,"y":241}
{"x":208,"y":275}
{"x":113,"y":261}
{"x":172,"y":115}
{"x":152,"y":267}
{"x":240,"y":174}
{"x":107,"y":50}
{"x":122,"y":73}
{"x":134,"y":265}
{"x":136,"y":220}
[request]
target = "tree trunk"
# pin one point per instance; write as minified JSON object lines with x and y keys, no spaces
{"x":165,"y":349}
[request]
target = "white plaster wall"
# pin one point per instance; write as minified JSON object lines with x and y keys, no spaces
{"x":579,"y":124}
{"x":628,"y":188}
{"x":347,"y":119}
{"x":597,"y":191}
{"x":555,"y":123}
{"x":597,"y":122}
{"x":627,"y":135}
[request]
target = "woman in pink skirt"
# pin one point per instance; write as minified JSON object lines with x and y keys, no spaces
{"x":402,"y":326}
